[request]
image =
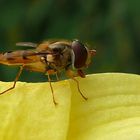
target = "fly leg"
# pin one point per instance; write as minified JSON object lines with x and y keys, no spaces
{"x":78,"y":87}
{"x":16,"y":79}
{"x":57,"y":76}
{"x":72,"y":75}
{"x":49,"y":79}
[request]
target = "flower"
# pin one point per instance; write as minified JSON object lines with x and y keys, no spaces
{"x":112,"y":111}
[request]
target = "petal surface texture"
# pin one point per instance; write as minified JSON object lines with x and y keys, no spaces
{"x":112,"y":111}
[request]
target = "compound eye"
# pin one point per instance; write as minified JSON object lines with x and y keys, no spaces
{"x":80,"y":54}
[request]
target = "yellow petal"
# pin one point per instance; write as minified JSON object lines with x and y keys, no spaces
{"x":112,"y":111}
{"x":28,"y":112}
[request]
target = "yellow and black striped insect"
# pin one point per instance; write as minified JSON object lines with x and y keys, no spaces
{"x":50,"y":57}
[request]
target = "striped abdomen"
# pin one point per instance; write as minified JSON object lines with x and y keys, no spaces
{"x":18,"y":57}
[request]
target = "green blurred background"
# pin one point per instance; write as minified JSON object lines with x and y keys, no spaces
{"x":112,"y":27}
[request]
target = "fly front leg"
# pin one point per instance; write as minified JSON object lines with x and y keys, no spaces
{"x":72,"y":75}
{"x":16,"y":79}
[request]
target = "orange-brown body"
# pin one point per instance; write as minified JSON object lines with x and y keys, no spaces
{"x":50,"y":57}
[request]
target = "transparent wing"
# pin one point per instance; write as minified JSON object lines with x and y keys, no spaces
{"x":27,"y":44}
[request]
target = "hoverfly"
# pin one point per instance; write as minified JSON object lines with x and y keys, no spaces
{"x":50,"y":57}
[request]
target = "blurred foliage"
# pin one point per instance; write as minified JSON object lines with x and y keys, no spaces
{"x":111,"y":27}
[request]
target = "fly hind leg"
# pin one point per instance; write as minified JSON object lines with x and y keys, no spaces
{"x":16,"y":79}
{"x":49,"y":80}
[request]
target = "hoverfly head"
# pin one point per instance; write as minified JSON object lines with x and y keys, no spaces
{"x":81,"y":55}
